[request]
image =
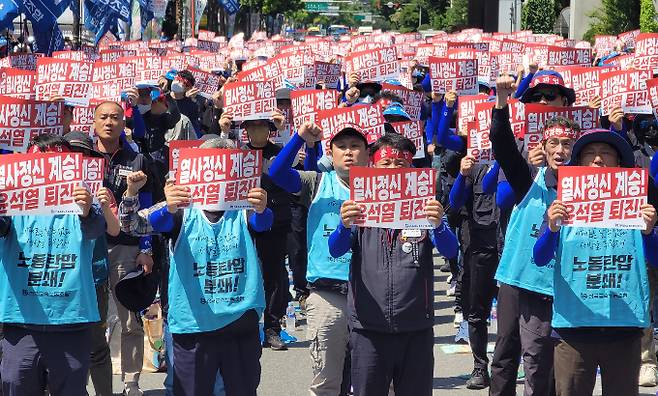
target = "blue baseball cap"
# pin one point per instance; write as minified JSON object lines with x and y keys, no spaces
{"x":171,"y":74}
{"x":548,"y":78}
{"x":396,"y":109}
{"x":626,"y":156}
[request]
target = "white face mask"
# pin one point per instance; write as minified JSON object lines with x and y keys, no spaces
{"x":177,"y":87}
{"x":143,"y":108}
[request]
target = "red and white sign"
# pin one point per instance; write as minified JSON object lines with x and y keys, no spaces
{"x":503,"y":62}
{"x":21,"y":120}
{"x":604,"y":44}
{"x":250,"y":100}
{"x":413,"y":100}
{"x":93,"y":171}
{"x":210,"y":46}
{"x":17,"y":83}
{"x":294,"y":66}
{"x":306,"y":104}
{"x":219,"y":179}
{"x":392,"y":198}
{"x":516,"y":118}
{"x":69,"y":79}
{"x":206,"y":35}
{"x":646,"y":52}
{"x":83,"y":120}
{"x":21,"y":61}
{"x":206,"y":83}
{"x":368,"y":119}
{"x":558,"y":56}
{"x":39,"y":184}
{"x":459,"y":75}
{"x":479,"y":145}
{"x":412,"y":130}
{"x":585,"y":81}
{"x":114,"y":55}
{"x":603,"y":197}
{"x":110,"y":79}
{"x":174,"y":153}
{"x":629,"y":38}
{"x":329,"y":73}
{"x":652,"y":89}
{"x":516,"y":47}
{"x":374,"y":65}
{"x":537,"y":115}
{"x":626,"y":89}
{"x":148,"y":68}
{"x":466,"y":109}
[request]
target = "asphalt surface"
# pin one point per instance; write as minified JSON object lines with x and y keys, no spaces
{"x":288,"y":373}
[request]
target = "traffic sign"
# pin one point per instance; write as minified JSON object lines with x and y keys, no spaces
{"x":316,"y":6}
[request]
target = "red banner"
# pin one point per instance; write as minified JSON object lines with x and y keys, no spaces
{"x":626,"y":89}
{"x":147,"y":68}
{"x":174,"y":153}
{"x":412,"y":130}
{"x":250,"y":100}
{"x":114,"y":55}
{"x":93,"y":171}
{"x":652,"y":90}
{"x":537,"y":115}
{"x":206,"y":83}
{"x":646,"y":52}
{"x":374,"y":65}
{"x":584,"y":80}
{"x":21,"y":120}
{"x":479,"y":145}
{"x":558,"y":56}
{"x":110,"y":79}
{"x":66,"y":78}
{"x":459,"y":75}
{"x":83,"y":120}
{"x":603,"y":197}
{"x":466,"y":109}
{"x":39,"y":184}
{"x":21,"y":61}
{"x":368,"y":119}
{"x":329,"y":73}
{"x":392,"y":198}
{"x":17,"y":83}
{"x":219,"y":179}
{"x":306,"y":104}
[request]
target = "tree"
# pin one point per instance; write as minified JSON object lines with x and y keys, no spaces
{"x":648,"y":16}
{"x":614,"y":17}
{"x":538,"y":16}
{"x":456,"y":17}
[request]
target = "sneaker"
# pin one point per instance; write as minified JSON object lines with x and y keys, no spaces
{"x":449,"y":280}
{"x":647,"y":375}
{"x":445,"y":267}
{"x":274,"y":341}
{"x":479,"y":379}
{"x":132,"y":389}
{"x":459,"y":318}
{"x":451,"y":290}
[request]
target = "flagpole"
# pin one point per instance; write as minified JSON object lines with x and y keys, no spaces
{"x":192,"y":16}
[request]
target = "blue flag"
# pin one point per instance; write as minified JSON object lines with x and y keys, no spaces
{"x":231,"y":6}
{"x":43,"y":14}
{"x":8,"y":12}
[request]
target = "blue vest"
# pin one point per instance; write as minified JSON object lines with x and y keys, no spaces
{"x":516,"y":267}
{"x":323,"y":218}
{"x":600,"y":279}
{"x":214,"y":276}
{"x":46,"y":272}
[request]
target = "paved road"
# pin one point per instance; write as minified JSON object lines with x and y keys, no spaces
{"x":288,"y":373}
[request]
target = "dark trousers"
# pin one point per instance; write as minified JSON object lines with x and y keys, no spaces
{"x":404,"y":358}
{"x":271,"y":247}
{"x":234,"y":350}
{"x":34,"y":361}
{"x":576,"y":363}
{"x":478,"y":290}
{"x":524,"y":329}
{"x":298,"y":248}
{"x":100,"y":364}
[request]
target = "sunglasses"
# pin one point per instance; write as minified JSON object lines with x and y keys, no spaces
{"x":537,"y":96}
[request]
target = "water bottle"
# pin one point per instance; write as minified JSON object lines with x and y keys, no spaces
{"x":290,"y":317}
{"x":494,"y":316}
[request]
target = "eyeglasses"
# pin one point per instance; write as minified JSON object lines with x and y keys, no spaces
{"x":537,"y":96}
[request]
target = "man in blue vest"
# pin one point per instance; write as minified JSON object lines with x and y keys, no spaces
{"x":326,"y":306}
{"x":216,"y":294}
{"x":610,"y":265}
{"x":47,"y":327}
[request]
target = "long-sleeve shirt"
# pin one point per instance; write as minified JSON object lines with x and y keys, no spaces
{"x":445,"y":136}
{"x":92,"y":226}
{"x":523,"y":85}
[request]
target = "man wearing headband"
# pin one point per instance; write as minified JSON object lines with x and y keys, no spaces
{"x":525,"y":287}
{"x":326,"y":305}
{"x":604,"y":331}
{"x":47,"y":328}
{"x":392,"y":337}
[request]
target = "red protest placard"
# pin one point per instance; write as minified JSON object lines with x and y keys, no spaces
{"x":585,"y":81}
{"x":250,"y":100}
{"x":604,"y":44}
{"x":466,"y":109}
{"x":516,"y":118}
{"x":23,"y":61}
{"x":412,"y":100}
{"x":306,"y":104}
{"x":147,"y":68}
{"x":603,"y":197}
{"x":516,"y":47}
{"x":459,"y":75}
{"x":461,"y":53}
{"x":558,"y":56}
{"x":206,"y":83}
{"x":283,"y":136}
{"x":629,"y":38}
{"x":367,"y":118}
{"x":646,"y":52}
{"x":537,"y":53}
{"x":17,"y":83}
{"x":479,"y":145}
{"x":503,"y":62}
{"x":294,"y":66}
{"x":626,"y":89}
{"x":74,"y":55}
{"x":93,"y":169}
{"x":329,"y":73}
{"x":537,"y":115}
{"x":83,"y":120}
{"x":392,"y":198}
{"x":66,"y":78}
{"x":219,"y":179}
{"x":374,"y":65}
{"x":110,"y":79}
{"x":174,"y":153}
{"x":206,"y":35}
{"x":114,"y":55}
{"x":39,"y":184}
{"x":652,"y":91}
{"x":21,"y":120}
{"x":412,"y":130}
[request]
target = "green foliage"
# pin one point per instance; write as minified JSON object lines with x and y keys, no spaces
{"x":455,"y":17}
{"x":614,"y":17}
{"x":538,"y":16}
{"x":648,"y":16}
{"x":274,"y":7}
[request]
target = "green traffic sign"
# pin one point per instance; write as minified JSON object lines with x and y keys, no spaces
{"x":316,"y":6}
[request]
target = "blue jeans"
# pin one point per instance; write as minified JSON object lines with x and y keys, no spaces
{"x":169,"y":379}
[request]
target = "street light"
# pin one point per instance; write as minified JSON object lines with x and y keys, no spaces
{"x":390,"y":4}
